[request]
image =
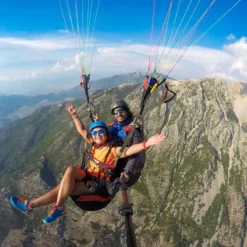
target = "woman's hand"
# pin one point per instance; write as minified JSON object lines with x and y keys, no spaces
{"x":154,"y":140}
{"x":70,"y":108}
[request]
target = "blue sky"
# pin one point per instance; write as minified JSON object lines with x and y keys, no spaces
{"x":130,"y":19}
{"x":32,"y":41}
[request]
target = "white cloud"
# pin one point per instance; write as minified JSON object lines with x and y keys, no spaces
{"x":62,"y":40}
{"x":56,"y":66}
{"x":71,"y":67}
{"x":107,"y":51}
{"x":39,"y":64}
{"x":238,"y":51}
{"x":4,"y":78}
{"x":223,"y":76}
{"x":239,"y":48}
{"x":42,"y":44}
{"x":63,"y":31}
{"x":127,"y":41}
{"x":79,"y":58}
{"x":231,"y":37}
{"x":67,"y":64}
{"x":239,"y":66}
{"x":32,"y":74}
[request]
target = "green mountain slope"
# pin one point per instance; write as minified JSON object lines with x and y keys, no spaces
{"x":192,"y":191}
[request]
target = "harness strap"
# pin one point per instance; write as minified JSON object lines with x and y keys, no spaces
{"x":111,"y":123}
{"x":101,"y":166}
{"x":108,"y":170}
{"x":127,"y":128}
{"x":90,"y":198}
{"x":165,"y":94}
{"x":127,"y":140}
{"x":83,"y":163}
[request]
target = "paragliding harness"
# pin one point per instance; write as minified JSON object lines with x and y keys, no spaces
{"x":97,"y":184}
{"x":96,"y":201}
{"x":99,"y":201}
{"x":150,"y":86}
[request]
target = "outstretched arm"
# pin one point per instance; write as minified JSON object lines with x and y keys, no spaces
{"x":78,"y":123}
{"x":136,"y":148}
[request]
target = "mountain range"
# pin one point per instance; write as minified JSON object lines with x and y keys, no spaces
{"x":13,"y":107}
{"x":192,"y":191}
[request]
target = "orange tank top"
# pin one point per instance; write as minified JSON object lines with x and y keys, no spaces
{"x":99,"y":156}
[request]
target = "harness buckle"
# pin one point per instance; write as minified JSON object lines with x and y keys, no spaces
{"x":138,"y":122}
{"x":92,"y":186}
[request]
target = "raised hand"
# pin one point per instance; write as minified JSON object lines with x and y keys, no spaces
{"x":95,"y":117}
{"x":70,"y":108}
{"x":154,"y":140}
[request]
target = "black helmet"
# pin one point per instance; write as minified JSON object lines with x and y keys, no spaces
{"x":119,"y":103}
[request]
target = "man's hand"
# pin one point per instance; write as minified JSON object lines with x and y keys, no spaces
{"x":95,"y":117}
{"x":124,"y":175}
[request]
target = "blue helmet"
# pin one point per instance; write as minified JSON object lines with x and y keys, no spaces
{"x":97,"y":124}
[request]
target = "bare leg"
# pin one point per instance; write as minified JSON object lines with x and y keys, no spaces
{"x":72,"y":175}
{"x":46,"y":199}
{"x":50,"y":197}
{"x":80,"y":189}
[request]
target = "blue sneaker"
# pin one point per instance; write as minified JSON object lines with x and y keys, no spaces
{"x":54,"y":214}
{"x":21,"y":205}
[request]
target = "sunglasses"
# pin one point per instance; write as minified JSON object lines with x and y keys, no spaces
{"x":122,"y":110}
{"x":100,"y":132}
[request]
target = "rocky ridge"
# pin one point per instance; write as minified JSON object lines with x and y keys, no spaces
{"x":192,"y":191}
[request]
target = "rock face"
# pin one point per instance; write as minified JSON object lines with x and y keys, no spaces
{"x":192,"y":191}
